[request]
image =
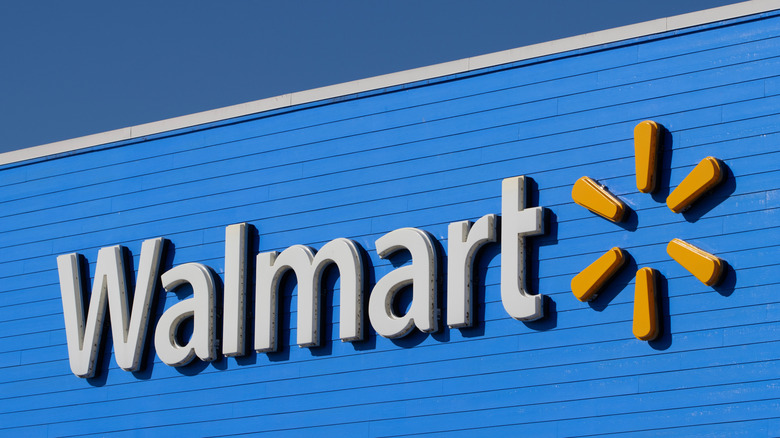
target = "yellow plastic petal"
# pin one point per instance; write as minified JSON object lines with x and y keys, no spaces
{"x":590,"y":280}
{"x":706,"y":175}
{"x":597,"y":199}
{"x":703,"y":265}
{"x":646,"y":146}
{"x":645,"y":307}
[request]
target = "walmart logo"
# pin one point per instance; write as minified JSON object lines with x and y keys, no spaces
{"x":210,"y":336}
{"x":595,"y":197}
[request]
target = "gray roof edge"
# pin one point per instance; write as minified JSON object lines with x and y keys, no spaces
{"x":403,"y":77}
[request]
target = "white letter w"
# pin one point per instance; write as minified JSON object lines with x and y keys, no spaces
{"x":129,"y":334}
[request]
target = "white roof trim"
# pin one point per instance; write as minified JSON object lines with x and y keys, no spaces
{"x":418,"y":74}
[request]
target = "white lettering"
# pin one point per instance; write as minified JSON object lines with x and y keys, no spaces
{"x":421,"y":275}
{"x":308,"y":269}
{"x":234,"y":306}
{"x":129,"y":334}
{"x":200,"y":308}
{"x":129,"y":328}
{"x":463,"y":242}
{"x":516,"y":223}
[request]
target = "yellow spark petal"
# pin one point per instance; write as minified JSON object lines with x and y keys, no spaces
{"x":646,"y":146}
{"x":703,"y":265}
{"x":706,"y":175}
{"x":645,"y":307}
{"x":597,"y":199}
{"x":590,"y":280}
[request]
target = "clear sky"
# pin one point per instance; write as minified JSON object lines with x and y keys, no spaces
{"x":73,"y":68}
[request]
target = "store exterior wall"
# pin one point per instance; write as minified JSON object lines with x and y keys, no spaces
{"x":427,"y":154}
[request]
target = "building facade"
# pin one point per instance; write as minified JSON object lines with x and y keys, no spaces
{"x":410,"y":321}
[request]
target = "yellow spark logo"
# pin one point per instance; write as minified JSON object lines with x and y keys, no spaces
{"x":595,"y":197}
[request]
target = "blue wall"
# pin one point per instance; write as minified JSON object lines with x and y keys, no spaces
{"x":424,"y":155}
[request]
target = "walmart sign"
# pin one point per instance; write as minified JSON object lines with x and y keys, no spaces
{"x":130,"y":322}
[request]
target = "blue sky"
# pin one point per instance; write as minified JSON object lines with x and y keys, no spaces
{"x":81,"y":67}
